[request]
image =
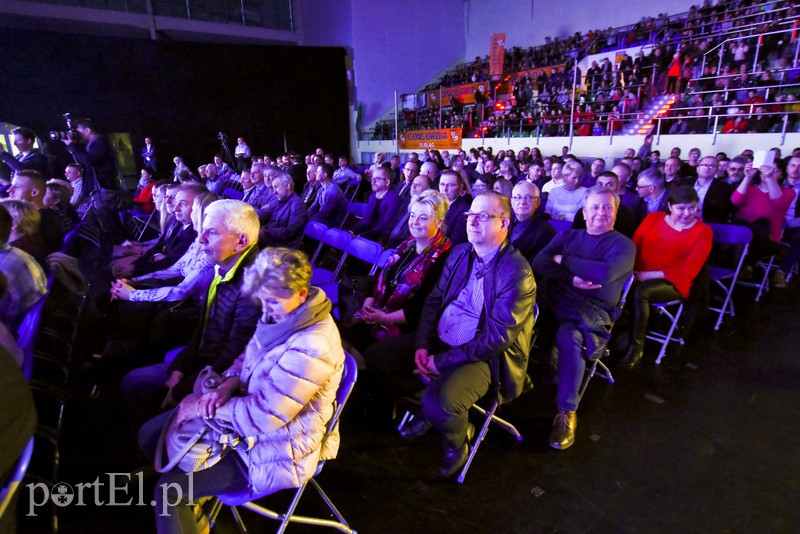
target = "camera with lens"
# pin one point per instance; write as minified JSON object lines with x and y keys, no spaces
{"x":69,"y":133}
{"x":222,"y":137}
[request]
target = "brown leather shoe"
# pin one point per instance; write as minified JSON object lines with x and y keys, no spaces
{"x":563,"y":434}
{"x":778,"y":279}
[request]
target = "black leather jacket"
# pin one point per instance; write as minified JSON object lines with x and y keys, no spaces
{"x":505,"y":328}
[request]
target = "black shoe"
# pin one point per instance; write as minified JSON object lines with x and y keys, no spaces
{"x":632,"y":357}
{"x":455,"y":458}
{"x":414,"y":427}
{"x":563,"y":434}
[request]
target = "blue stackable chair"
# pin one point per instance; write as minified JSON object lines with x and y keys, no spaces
{"x":247,"y":500}
{"x":337,"y":239}
{"x":560,"y":224}
{"x":28,"y":332}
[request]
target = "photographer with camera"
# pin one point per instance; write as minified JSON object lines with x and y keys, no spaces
{"x":100,"y":180}
{"x":28,"y":157}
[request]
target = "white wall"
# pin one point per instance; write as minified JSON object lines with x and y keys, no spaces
{"x":396,"y":46}
{"x":527,"y":22}
{"x":608,"y":149}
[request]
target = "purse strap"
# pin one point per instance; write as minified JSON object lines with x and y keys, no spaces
{"x":163,"y":466}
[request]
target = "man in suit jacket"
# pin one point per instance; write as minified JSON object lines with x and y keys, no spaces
{"x":172,"y":245}
{"x":28,"y":157}
{"x":403,"y":187}
{"x":149,"y":154}
{"x":330,"y":205}
{"x":715,"y":195}
{"x":453,"y":186}
{"x":653,"y":194}
{"x":381,"y":208}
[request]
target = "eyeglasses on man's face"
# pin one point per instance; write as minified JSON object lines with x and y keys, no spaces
{"x":526,"y":198}
{"x":482,"y":217}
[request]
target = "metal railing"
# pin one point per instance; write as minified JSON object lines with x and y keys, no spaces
{"x":760,"y":37}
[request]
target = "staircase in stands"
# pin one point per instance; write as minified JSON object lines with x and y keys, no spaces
{"x":655,"y":108}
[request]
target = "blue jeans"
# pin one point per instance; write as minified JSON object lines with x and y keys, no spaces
{"x":176,"y":492}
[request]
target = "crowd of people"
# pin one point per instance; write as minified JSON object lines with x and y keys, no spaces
{"x":733,"y":59}
{"x":476,"y":239}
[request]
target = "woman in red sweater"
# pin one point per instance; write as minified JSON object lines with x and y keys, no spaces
{"x":671,"y":249}
{"x":143,"y":196}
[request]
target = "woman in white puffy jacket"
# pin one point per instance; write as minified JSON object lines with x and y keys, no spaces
{"x":281,"y":392}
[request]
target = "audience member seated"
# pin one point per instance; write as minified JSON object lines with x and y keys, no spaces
{"x":503,"y":186}
{"x":583,"y":272}
{"x":143,"y":195}
{"x":480,"y":309}
{"x":123,"y":255}
{"x":8,"y":341}
{"x":30,"y":186}
{"x":282,"y":389}
{"x":791,"y":228}
{"x":714,"y":204}
{"x":671,"y":249}
{"x":624,"y":174}
{"x":289,"y":218}
{"x":216,"y":181}
{"x":17,"y":423}
{"x":626,"y":219}
{"x":26,"y":279}
{"x":329,"y":206}
{"x":400,"y":231}
{"x":230,"y":233}
{"x":453,"y":186}
{"x":556,"y":179}
{"x":530,"y":233}
{"x":484,"y":182}
{"x":381,"y":210}
{"x":590,"y":178}
{"x":57,"y":198}
{"x":674,"y":172}
{"x":763,"y":204}
{"x":407,"y":278}
{"x":652,"y":193}
{"x":311,"y":186}
{"x":260,"y":195}
{"x":343,"y":173}
{"x":173,"y":244}
{"x":25,"y":235}
{"x":403,"y":187}
{"x":564,"y":202}
{"x":151,"y":318}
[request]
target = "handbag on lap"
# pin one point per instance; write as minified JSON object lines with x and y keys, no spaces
{"x":198,"y":443}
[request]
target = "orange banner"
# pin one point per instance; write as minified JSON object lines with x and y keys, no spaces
{"x":497,"y":50}
{"x":444,"y":139}
{"x":464,"y":93}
